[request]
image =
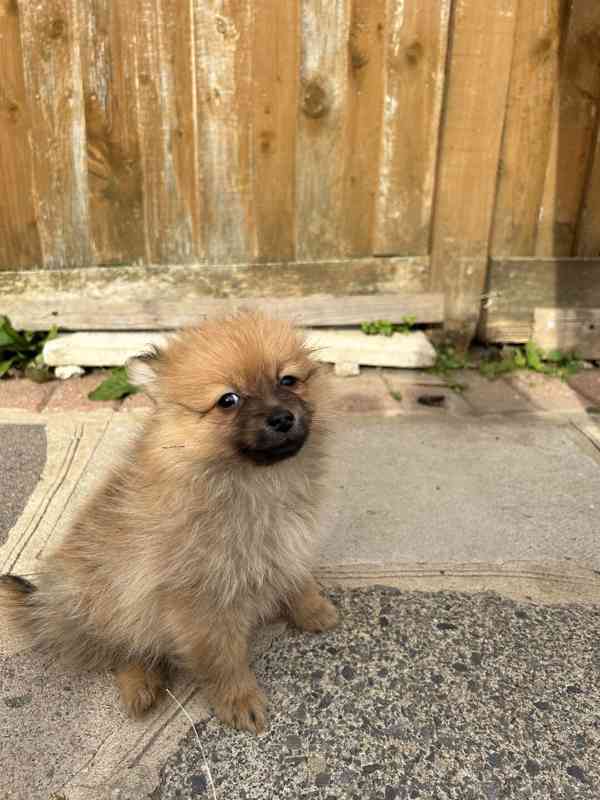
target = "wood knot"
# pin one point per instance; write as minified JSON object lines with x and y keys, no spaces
{"x":315,"y":103}
{"x":58,"y":28}
{"x":266,"y":138}
{"x":414,"y":53}
{"x":225,"y":27}
{"x":358,"y":58}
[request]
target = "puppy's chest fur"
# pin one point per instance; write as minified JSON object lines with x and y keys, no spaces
{"x":255,"y":539}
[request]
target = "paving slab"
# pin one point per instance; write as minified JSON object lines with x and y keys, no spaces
{"x":491,"y":396}
{"x":458,"y":489}
{"x":419,"y":502}
{"x":72,"y":394}
{"x":546,"y":394}
{"x":363,"y":394}
{"x":24,"y":394}
{"x":22,"y":458}
{"x":587,"y":384}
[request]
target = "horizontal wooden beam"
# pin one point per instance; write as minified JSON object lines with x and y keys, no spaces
{"x":517,"y":286}
{"x":570,"y":330}
{"x":345,"y":292}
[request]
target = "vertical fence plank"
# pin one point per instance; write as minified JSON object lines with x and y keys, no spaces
{"x":477,"y":86}
{"x":51,"y":55}
{"x":275,"y":108}
{"x":588,"y":235}
{"x":166,"y":126}
{"x":114,"y":166}
{"x":574,"y":126}
{"x":321,"y":147}
{"x":415,"y":68}
{"x":363,"y":122}
{"x":19,"y":239}
{"x":222,"y":41}
{"x":526,"y":141}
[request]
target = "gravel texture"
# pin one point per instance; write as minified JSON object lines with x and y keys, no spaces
{"x":22,"y":459}
{"x":429,"y":696}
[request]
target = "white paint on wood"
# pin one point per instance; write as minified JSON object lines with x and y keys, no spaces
{"x":225,"y":178}
{"x":79,"y":193}
{"x":390,"y":109}
{"x":167,"y":220}
{"x":52,"y":68}
{"x":414,"y":77}
{"x":114,"y":349}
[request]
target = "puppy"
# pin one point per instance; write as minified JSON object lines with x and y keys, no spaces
{"x":207,"y":528}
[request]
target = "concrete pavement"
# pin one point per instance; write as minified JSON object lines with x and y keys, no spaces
{"x":482,"y":684}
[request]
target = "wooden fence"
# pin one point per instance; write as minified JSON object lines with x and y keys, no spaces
{"x":162,"y":157}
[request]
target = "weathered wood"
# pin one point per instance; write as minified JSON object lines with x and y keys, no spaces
{"x":478,"y":76}
{"x":588,"y":232}
{"x":222,"y":37}
{"x":114,"y":165}
{"x":518,"y":286}
{"x":570,"y":330}
{"x":275,"y":103}
{"x":415,"y":64}
{"x":526,"y":141}
{"x":574,"y":125}
{"x":19,"y":239}
{"x":114,"y":349}
{"x":363,"y":123}
{"x":319,"y":154}
{"x":50,"y":36}
{"x":165,"y":99}
{"x":331,"y":293}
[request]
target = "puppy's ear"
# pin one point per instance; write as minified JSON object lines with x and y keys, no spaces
{"x":142,"y":371}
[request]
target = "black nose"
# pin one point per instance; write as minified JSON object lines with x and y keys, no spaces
{"x":280,"y":419}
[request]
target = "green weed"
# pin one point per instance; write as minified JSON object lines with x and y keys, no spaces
{"x":382,"y":327}
{"x":22,"y":350}
{"x":530,"y":357}
{"x":114,"y":387}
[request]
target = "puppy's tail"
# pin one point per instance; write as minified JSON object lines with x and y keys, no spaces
{"x":17,"y":603}
{"x":18,"y":607}
{"x":50,"y":619}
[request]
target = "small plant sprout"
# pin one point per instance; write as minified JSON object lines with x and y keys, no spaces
{"x":382,"y":327}
{"x":23,"y":351}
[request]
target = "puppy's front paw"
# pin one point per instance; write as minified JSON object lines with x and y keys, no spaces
{"x":315,"y":615}
{"x":140,"y":689}
{"x":244,"y":709}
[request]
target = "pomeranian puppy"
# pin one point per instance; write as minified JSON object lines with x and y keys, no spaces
{"x":207,"y":528}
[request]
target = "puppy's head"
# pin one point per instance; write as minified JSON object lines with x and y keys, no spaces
{"x":245,"y":388}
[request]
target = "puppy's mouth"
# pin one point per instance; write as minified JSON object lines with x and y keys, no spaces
{"x":274,"y":453}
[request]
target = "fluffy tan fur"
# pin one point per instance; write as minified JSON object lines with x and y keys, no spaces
{"x":189,"y":544}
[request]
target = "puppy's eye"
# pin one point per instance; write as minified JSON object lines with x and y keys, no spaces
{"x":288,"y":380}
{"x":229,"y":400}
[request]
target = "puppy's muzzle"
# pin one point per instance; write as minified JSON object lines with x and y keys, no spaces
{"x":282,"y":436}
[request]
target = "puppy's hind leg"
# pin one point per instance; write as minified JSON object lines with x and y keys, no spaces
{"x":140,"y":687}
